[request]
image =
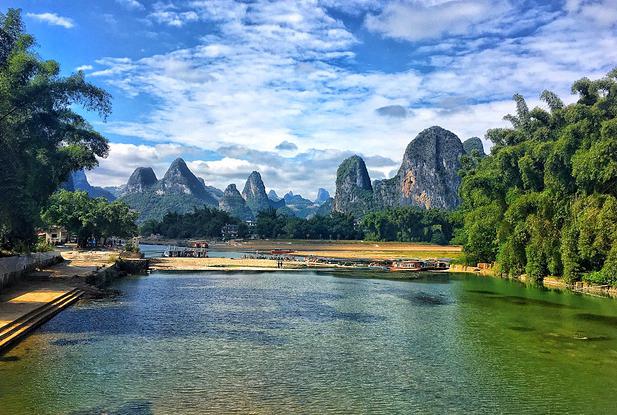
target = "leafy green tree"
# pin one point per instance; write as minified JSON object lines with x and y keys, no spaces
{"x":543,"y":203}
{"x":42,"y":138}
{"x":89,"y":218}
{"x":270,"y":224}
{"x":115,"y":219}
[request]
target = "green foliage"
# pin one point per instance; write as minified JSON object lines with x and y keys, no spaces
{"x":544,"y":202}
{"x":200,"y":223}
{"x":411,"y":224}
{"x":41,"y":137}
{"x":42,"y":246}
{"x":89,"y":218}
{"x":270,"y":224}
{"x":132,"y":246}
{"x":152,"y":206}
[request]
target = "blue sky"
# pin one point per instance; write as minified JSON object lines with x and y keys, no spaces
{"x":290,"y":88}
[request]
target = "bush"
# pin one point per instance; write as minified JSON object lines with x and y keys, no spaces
{"x":43,"y":246}
{"x":132,"y":246}
{"x":600,"y":278}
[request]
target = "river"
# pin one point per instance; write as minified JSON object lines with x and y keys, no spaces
{"x":193,"y":343}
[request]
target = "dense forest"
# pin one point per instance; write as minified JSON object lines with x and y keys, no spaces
{"x":203,"y":222}
{"x":411,"y":224}
{"x":270,"y":224}
{"x":544,"y":202}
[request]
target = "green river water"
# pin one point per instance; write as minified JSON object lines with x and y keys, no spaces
{"x":303,"y":342}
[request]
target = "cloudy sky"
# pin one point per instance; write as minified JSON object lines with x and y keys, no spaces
{"x":290,"y":88}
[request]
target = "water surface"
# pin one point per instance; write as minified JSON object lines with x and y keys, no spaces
{"x":316,"y":343}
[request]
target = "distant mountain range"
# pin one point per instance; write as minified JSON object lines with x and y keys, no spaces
{"x":428,"y":177}
{"x":181,"y":191}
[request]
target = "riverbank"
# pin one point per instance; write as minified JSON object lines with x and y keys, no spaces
{"x":233,"y":264}
{"x":44,"y":292}
{"x":548,"y":282}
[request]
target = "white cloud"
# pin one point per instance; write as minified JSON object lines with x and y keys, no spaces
{"x":286,"y":71}
{"x":418,"y":20}
{"x":131,"y":4}
{"x":174,"y":19}
{"x":84,"y":68}
{"x":52,"y":19}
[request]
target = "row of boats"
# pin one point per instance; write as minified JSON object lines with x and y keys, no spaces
{"x":199,"y":249}
{"x":419,"y":265}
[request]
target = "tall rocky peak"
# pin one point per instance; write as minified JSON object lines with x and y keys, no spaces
{"x":273,"y":196}
{"x":474,"y":143}
{"x":142,"y":178}
{"x":428,"y":176}
{"x":78,"y":181}
{"x":322,"y":196}
{"x":254,"y":193}
{"x":180,"y":179}
{"x":354,"y":192}
{"x":233,"y":203}
{"x":325,"y":208}
{"x":352,"y":172}
{"x":179,"y":172}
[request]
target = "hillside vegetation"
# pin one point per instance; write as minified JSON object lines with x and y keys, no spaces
{"x":545,"y":201}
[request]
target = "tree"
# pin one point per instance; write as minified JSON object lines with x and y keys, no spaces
{"x":42,"y":138}
{"x":544,"y":202}
{"x":89,"y":218}
{"x":202,"y":222}
{"x":411,"y":224}
{"x":115,"y":219}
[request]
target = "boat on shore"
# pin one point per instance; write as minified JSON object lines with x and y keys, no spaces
{"x":185,"y":252}
{"x":282,"y":251}
{"x":417,"y":265}
{"x":406,"y":266}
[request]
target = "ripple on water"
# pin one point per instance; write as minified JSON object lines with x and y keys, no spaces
{"x":305,"y":343}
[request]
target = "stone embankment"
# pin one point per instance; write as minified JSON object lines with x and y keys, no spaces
{"x":14,"y":268}
{"x":40,"y":289}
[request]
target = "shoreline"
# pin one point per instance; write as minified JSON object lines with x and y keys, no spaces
{"x":551,"y":282}
{"x":42,"y":293}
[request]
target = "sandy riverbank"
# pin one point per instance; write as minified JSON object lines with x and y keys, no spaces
{"x":221,"y":264}
{"x":337,"y":249}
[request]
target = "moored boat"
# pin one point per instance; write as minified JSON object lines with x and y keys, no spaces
{"x":409,"y":266}
{"x":282,"y":251}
